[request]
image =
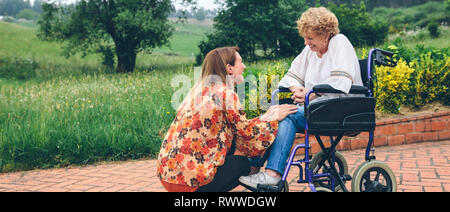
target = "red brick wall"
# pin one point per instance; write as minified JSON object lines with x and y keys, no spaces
{"x":432,"y":127}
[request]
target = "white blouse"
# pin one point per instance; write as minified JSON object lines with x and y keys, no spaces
{"x":338,"y":67}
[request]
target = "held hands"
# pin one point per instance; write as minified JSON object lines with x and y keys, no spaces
{"x":299,"y":94}
{"x":279,"y":112}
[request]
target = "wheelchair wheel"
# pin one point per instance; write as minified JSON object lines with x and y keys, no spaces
{"x":374,"y":176}
{"x":285,"y":187}
{"x":340,"y":164}
{"x":323,"y":189}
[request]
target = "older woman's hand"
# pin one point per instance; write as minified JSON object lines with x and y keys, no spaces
{"x":279,"y":112}
{"x":299,"y":94}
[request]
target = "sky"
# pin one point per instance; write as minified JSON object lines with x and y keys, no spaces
{"x":207,"y":4}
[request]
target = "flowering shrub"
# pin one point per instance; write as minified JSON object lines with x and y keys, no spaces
{"x":260,"y":80}
{"x":421,"y":76}
{"x":391,"y":86}
{"x":430,"y":82}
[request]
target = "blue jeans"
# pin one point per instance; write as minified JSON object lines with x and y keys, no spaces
{"x":278,"y":152}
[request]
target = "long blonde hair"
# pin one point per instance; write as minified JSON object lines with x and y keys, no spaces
{"x":214,"y":70}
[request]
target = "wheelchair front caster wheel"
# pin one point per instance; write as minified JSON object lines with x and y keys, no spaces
{"x":340,"y":164}
{"x":374,"y":176}
{"x":323,"y":190}
{"x":285,"y":187}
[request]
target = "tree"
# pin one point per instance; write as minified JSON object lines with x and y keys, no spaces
{"x":13,"y":7}
{"x":37,"y":6}
{"x":433,"y":28}
{"x":266,"y":26}
{"x":358,"y":25}
{"x":199,"y":14}
{"x":125,"y":27}
{"x":28,"y":14}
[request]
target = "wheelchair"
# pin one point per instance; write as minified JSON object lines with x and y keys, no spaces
{"x":327,"y":171}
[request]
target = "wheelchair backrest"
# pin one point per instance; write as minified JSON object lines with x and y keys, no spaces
{"x":364,"y":73}
{"x":380,"y":58}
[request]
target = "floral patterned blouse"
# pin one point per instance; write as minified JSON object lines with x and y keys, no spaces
{"x":199,"y":138}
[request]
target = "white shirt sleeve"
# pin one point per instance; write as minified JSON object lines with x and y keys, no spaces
{"x":296,"y":74}
{"x":344,"y":64}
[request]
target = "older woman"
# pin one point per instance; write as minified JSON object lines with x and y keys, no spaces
{"x":328,"y":58}
{"x":196,"y":153}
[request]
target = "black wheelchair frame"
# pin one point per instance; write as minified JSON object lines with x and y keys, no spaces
{"x":336,"y":118}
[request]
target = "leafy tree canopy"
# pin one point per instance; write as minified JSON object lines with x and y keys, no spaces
{"x":268,"y":29}
{"x":266,"y":25}
{"x":124,"y":27}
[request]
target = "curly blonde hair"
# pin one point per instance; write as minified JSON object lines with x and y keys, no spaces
{"x":320,"y":21}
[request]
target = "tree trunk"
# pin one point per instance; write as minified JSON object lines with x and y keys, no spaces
{"x":126,"y":60}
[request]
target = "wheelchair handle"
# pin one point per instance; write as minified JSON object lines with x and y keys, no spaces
{"x":384,"y":58}
{"x":387,"y":53}
{"x":274,"y":99}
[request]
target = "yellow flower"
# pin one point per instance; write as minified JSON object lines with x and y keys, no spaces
{"x":392,"y":47}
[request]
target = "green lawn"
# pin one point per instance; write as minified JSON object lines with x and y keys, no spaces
{"x":57,"y":111}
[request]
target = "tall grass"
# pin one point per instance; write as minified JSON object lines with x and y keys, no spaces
{"x":83,"y":119}
{"x":57,"y":111}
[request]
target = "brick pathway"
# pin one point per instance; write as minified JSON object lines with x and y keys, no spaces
{"x":418,"y":167}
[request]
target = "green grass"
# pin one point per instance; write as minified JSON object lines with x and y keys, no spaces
{"x":186,"y":38}
{"x":83,"y":119}
{"x":422,"y":37}
{"x":57,"y":111}
{"x":411,"y":17}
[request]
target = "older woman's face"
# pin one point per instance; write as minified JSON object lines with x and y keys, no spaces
{"x":317,"y":43}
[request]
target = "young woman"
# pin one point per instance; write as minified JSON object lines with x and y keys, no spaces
{"x":195,"y":154}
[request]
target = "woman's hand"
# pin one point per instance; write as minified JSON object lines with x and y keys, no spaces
{"x":279,"y":112}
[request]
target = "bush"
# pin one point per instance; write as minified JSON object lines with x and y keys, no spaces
{"x":391,"y":86}
{"x":422,"y":80}
{"x":28,"y":14}
{"x":17,"y":68}
{"x":433,"y":28}
{"x":430,"y":81}
{"x":258,"y":97}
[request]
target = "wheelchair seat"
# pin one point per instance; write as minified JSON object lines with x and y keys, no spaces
{"x":345,"y":115}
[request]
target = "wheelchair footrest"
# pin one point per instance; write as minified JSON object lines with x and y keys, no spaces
{"x":268,"y":188}
{"x":272,"y":188}
{"x":346,"y":178}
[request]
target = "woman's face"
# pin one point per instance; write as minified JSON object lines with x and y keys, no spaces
{"x":236,"y":71}
{"x":317,"y":43}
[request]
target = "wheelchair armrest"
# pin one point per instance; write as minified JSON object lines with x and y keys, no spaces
{"x":358,"y":89}
{"x":325,"y":88}
{"x":284,"y":90}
